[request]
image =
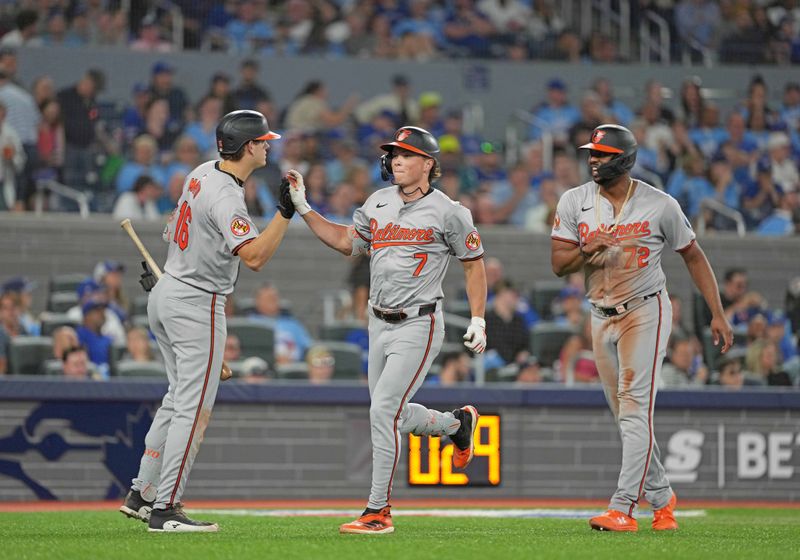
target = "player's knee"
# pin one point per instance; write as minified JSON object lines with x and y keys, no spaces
{"x":381,"y":413}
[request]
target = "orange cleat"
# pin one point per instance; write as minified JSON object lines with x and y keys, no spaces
{"x":664,"y":518}
{"x":614,"y":520}
{"x":464,"y":438}
{"x":371,"y":523}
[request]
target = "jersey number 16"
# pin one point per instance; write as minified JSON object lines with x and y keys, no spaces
{"x":182,"y":227}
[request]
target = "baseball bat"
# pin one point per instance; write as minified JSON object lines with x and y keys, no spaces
{"x":128,"y":227}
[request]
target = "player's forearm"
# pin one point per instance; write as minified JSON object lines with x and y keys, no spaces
{"x":566,"y":260}
{"x":256,"y":254}
{"x":331,"y":234}
{"x":703,"y":277}
{"x":475,"y":274}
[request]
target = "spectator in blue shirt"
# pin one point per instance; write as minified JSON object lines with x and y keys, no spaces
{"x":790,"y":110}
{"x":291,"y":337}
{"x":739,"y":147}
{"x":709,"y":135}
{"x":143,"y":162}
{"x":97,"y":344}
{"x":619,"y":110}
{"x":781,"y":221}
{"x":247,"y":33}
{"x":555,"y":115}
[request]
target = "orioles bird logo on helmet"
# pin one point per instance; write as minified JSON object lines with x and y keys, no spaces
{"x":597,"y":136}
{"x":402,"y":134}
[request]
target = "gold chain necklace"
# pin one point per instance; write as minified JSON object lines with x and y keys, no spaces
{"x":619,"y":214}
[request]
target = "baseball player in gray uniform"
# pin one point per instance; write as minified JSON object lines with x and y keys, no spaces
{"x":209,"y":232}
{"x":410,"y":230}
{"x":615,"y":228}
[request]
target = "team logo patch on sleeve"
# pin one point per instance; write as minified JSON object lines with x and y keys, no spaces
{"x":556,"y":221}
{"x":240,"y":227}
{"x":473,"y":241}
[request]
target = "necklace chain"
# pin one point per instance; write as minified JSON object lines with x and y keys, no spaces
{"x":619,"y":214}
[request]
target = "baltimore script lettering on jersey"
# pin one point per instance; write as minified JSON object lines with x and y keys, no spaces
{"x":632,"y":230}
{"x":395,"y":234}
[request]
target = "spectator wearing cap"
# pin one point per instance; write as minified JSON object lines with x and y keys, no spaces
{"x":23,"y":289}
{"x":80,"y":113}
{"x":12,"y":163}
{"x":310,"y":111}
{"x":25,"y":35}
{"x":163,"y":87}
{"x":430,"y":112}
{"x":90,"y":290}
{"x":140,"y":202}
{"x":529,"y":372}
{"x":467,"y":30}
{"x":731,"y":374}
{"x":321,"y":364}
{"x":568,"y":308}
{"x":133,"y":115}
{"x":510,"y":340}
{"x":249,"y":93}
{"x":220,"y":88}
{"x":90,"y":335}
{"x":248,"y":33}
{"x":760,"y":197}
{"x":149,"y":37}
{"x":399,"y":101}
{"x":555,"y":116}
{"x":23,"y":117}
{"x":254,"y":370}
{"x":58,"y":32}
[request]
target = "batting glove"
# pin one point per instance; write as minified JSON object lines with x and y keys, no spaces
{"x":285,"y":204}
{"x":475,"y":337}
{"x":298,"y":192}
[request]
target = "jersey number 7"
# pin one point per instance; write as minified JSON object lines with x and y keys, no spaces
{"x":182,"y":227}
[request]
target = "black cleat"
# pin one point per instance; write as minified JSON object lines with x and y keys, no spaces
{"x":174,"y":520}
{"x":136,"y":507}
{"x":464,"y":438}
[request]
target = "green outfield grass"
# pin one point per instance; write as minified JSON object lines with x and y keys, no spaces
{"x":725,"y":533}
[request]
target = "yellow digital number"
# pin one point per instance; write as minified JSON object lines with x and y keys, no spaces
{"x":440,"y":459}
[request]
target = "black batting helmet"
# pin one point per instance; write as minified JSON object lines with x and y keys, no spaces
{"x":413,"y":139}
{"x":618,"y":141}
{"x":239,"y":127}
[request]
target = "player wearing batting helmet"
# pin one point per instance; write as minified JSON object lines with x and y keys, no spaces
{"x":615,"y":229}
{"x":409,"y":230}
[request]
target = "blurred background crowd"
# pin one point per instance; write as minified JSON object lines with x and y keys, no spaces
{"x":731,"y":169}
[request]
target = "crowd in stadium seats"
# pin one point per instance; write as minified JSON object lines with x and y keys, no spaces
{"x":92,"y":330}
{"x":729,"y":31}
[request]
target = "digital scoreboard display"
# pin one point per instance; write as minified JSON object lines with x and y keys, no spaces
{"x":430,"y":461}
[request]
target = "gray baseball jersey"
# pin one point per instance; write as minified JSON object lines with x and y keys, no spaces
{"x":186,"y":314}
{"x":411,"y":244}
{"x":649,"y":220}
{"x":206,"y":230}
{"x":630,"y":344}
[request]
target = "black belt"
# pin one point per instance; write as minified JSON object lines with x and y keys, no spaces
{"x":623,"y":307}
{"x":400,"y":315}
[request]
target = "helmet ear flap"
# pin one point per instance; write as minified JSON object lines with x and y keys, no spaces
{"x":386,"y":167}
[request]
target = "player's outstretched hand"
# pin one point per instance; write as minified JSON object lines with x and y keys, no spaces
{"x":475,"y":337}
{"x":721,"y":331}
{"x":298,"y":192}
{"x":285,"y":204}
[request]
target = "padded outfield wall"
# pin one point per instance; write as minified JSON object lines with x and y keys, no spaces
{"x":83,"y":440}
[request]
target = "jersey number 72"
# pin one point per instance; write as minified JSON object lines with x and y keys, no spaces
{"x":182,"y":227}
